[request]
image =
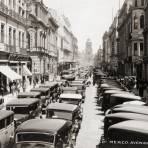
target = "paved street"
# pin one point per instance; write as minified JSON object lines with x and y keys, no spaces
{"x":91,"y":128}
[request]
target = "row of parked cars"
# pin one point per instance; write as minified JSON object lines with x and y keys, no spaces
{"x":126,"y":116}
{"x":47,"y":116}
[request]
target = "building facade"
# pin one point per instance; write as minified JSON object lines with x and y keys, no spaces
{"x":67,"y":45}
{"x":131,"y":39}
{"x":13,"y":42}
{"x":42,"y":39}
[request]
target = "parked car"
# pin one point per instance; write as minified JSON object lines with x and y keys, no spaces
{"x":71,"y":90}
{"x":65,"y":111}
{"x":71,"y":99}
{"x":115,"y":118}
{"x":24,"y":109}
{"x":29,"y":95}
{"x":132,"y":134}
{"x":47,"y":133}
{"x":6,"y":128}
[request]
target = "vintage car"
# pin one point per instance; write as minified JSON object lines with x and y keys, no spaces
{"x":81,"y":89}
{"x":71,"y":99}
{"x":45,"y":96}
{"x":68,"y":75}
{"x":24,"y":109}
{"x":53,"y":87}
{"x":29,"y":95}
{"x":106,"y":99}
{"x":111,"y":119}
{"x":71,"y":90}
{"x":130,"y":109}
{"x":6,"y":128}
{"x":128,"y":134}
{"x":65,"y":111}
{"x":47,"y":133}
{"x":116,"y":99}
{"x":44,"y":91}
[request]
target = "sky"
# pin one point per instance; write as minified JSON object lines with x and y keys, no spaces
{"x":88,"y":18}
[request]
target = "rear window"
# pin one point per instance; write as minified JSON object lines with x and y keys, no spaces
{"x":35,"y":137}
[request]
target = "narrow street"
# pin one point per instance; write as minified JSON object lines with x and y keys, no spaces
{"x":91,"y":128}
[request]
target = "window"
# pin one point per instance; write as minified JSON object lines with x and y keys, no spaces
{"x":10,"y":37}
{"x":2,"y":33}
{"x":141,"y":49}
{"x":136,"y":3}
{"x":135,"y":48}
{"x":2,"y":124}
{"x":36,"y":10}
{"x":142,"y":2}
{"x":14,"y":37}
{"x":22,"y":40}
{"x":142,"y":21}
{"x":14,"y":4}
{"x":135,"y":22}
{"x":19,"y":39}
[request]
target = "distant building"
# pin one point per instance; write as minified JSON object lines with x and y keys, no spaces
{"x":88,"y":59}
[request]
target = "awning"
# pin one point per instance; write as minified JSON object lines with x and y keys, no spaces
{"x":26,"y":71}
{"x":8,"y":72}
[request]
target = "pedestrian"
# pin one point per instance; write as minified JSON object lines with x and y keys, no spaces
{"x":17,"y":87}
{"x":10,"y":86}
{"x":2,"y":89}
{"x":13,"y":88}
{"x":142,"y":86}
{"x":30,"y":80}
{"x":24,"y":86}
{"x":34,"y":83}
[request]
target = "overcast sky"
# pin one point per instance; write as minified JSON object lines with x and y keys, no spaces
{"x":88,"y":18}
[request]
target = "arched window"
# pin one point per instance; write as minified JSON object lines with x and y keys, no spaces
{"x":142,"y":21}
{"x":135,"y":22}
{"x":136,"y":3}
{"x":142,"y":2}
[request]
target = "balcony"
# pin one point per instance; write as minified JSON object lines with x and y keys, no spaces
{"x":14,"y":15}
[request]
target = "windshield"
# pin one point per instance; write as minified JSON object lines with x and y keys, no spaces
{"x":19,"y":110}
{"x":34,"y":137}
{"x":59,"y":114}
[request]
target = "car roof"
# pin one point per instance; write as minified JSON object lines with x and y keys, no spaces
{"x":51,"y":126}
{"x":115,"y":91}
{"x":132,"y":126}
{"x":129,"y":116}
{"x":49,"y":84}
{"x":126,"y":95}
{"x":39,"y":89}
{"x":77,"y":84}
{"x":22,"y":102}
{"x":5,"y":113}
{"x":62,"y":107}
{"x":71,"y":96}
{"x":133,"y":109}
{"x":70,"y":88}
{"x":34,"y":94}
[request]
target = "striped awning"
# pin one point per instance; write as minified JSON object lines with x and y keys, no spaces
{"x":8,"y":72}
{"x":26,"y":71}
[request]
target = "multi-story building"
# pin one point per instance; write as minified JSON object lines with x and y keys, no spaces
{"x":145,"y":59}
{"x":88,"y":53}
{"x":130,"y":28}
{"x":67,"y":44}
{"x":42,"y":39}
{"x":113,"y":37}
{"x":106,"y":51}
{"x":13,"y":43}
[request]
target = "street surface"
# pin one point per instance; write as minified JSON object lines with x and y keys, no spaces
{"x":91,"y":127}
